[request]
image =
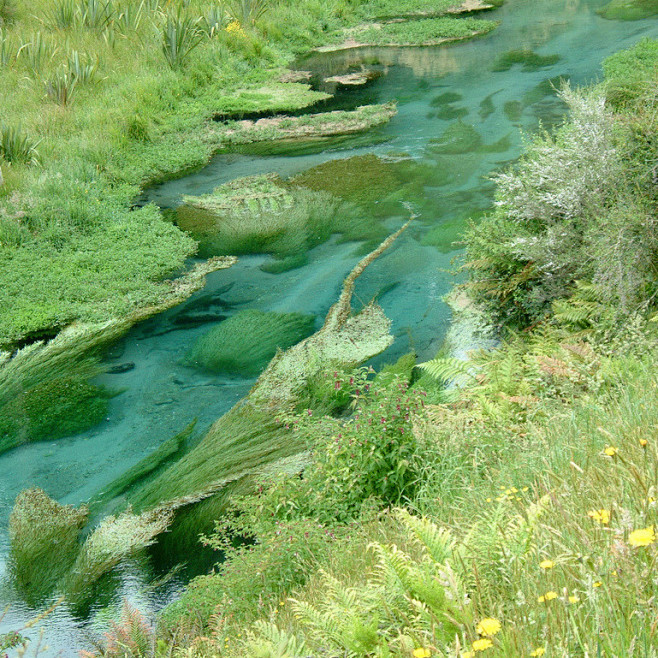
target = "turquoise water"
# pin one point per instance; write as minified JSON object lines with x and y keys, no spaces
{"x":161,"y":396}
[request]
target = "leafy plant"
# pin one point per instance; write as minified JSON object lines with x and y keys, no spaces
{"x":16,"y":146}
{"x":38,"y":51}
{"x":63,"y":14}
{"x":180,"y":35}
{"x":79,"y":70}
{"x":247,"y":12}
{"x":60,"y":87}
{"x":96,"y":14}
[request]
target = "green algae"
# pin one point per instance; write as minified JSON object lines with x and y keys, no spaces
{"x":629,"y":10}
{"x":487,"y":107}
{"x":546,"y":88}
{"x":446,"y":98}
{"x":513,"y":110}
{"x":528,"y":59}
{"x":450,"y":112}
{"x":52,"y":409}
{"x":247,"y":341}
{"x":457,"y":138}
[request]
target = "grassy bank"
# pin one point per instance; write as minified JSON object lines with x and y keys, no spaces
{"x":101,"y":98}
{"x":513,"y":514}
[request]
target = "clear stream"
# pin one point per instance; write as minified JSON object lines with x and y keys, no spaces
{"x":162,"y":396}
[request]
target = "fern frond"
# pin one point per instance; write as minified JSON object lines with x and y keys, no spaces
{"x":450,"y":370}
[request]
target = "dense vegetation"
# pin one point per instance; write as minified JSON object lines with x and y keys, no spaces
{"x":101,"y":97}
{"x":512,"y":514}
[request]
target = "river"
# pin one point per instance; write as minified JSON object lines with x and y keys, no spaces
{"x":161,"y":396}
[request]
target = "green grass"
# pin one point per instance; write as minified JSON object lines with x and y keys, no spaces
{"x":51,"y":410}
{"x":246,"y":342}
{"x":130,"y":100}
{"x":424,"y":31}
{"x":629,"y":10}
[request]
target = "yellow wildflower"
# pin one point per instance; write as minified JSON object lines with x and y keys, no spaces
{"x":549,"y":596}
{"x":642,"y":537}
{"x":421,"y":652}
{"x":643,"y":443}
{"x":482,"y":644}
{"x":468,"y":654}
{"x":488,"y":627}
{"x":489,"y":500}
{"x":234,"y":27}
{"x":539,"y":651}
{"x":601,"y":516}
{"x":651,"y":500}
{"x":574,"y":599}
{"x":610,"y":451}
{"x":598,"y":583}
{"x":547,"y":564}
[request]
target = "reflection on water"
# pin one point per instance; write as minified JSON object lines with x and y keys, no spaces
{"x":458,"y":121}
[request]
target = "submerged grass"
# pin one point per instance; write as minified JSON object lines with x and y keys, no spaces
{"x":246,"y":342}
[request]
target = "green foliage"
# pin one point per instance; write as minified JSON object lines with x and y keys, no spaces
{"x":246,"y":342}
{"x":7,"y":12}
{"x":629,"y":10}
{"x":180,"y":36}
{"x":60,"y":87}
{"x":247,"y":12}
{"x":424,"y":31}
{"x":50,"y":410}
{"x":16,"y":146}
{"x":530,"y":60}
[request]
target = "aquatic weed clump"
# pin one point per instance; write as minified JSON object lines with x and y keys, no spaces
{"x":44,"y":541}
{"x":261,"y":214}
{"x":247,"y":341}
{"x":52,"y":409}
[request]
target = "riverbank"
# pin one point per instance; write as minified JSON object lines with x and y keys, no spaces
{"x":100,"y":104}
{"x":526,"y":509}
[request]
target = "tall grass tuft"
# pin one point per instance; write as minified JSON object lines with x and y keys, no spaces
{"x":180,"y":36}
{"x":6,"y":49}
{"x":37,"y":52}
{"x":16,"y":146}
{"x":213,"y":21}
{"x":82,"y":72}
{"x":63,"y":14}
{"x":60,"y":87}
{"x":247,"y":12}
{"x":96,"y":14}
{"x":130,"y":18}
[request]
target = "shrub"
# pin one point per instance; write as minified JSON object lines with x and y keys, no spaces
{"x":60,"y":87}
{"x":246,"y":342}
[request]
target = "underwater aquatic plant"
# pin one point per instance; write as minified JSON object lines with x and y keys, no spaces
{"x":245,"y":343}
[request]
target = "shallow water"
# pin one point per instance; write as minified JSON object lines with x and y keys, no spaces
{"x":161,"y":396}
